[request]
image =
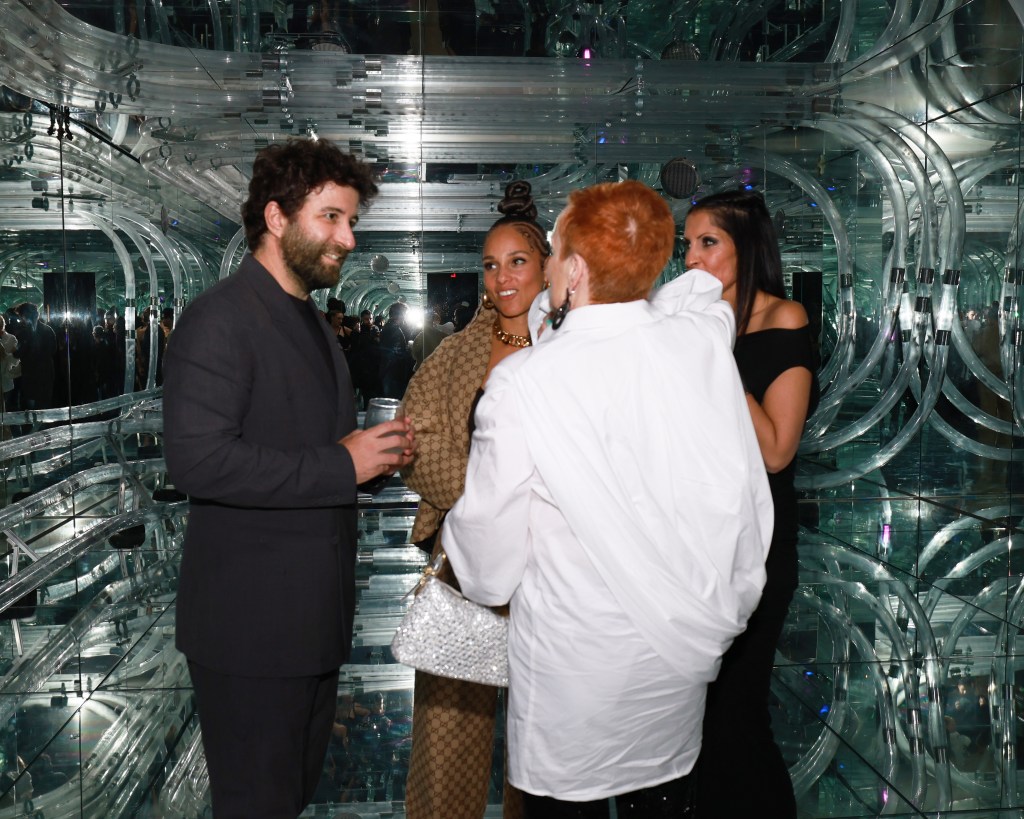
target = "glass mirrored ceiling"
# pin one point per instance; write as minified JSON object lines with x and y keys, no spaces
{"x":887,"y":140}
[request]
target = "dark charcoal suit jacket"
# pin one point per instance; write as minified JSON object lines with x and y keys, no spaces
{"x":251,"y":423}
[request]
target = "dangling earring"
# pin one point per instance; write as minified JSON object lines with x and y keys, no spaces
{"x":557,"y":316}
{"x":486,"y":301}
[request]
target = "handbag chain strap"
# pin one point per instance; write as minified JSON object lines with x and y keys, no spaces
{"x":432,"y":569}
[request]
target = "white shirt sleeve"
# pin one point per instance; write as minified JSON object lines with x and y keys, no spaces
{"x":697,"y":291}
{"x":486,"y":533}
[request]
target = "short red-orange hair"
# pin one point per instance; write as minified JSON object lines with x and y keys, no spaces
{"x":624,"y":231}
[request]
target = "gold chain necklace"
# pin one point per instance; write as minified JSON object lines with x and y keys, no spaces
{"x":511,"y":339}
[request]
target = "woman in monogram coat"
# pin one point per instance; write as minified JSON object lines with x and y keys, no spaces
{"x":453,"y":721}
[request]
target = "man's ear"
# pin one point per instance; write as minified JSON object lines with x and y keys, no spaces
{"x":275,"y":218}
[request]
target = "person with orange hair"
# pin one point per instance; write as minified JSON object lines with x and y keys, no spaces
{"x":616,"y":497}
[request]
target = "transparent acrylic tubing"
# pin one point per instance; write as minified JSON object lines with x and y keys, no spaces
{"x":943,"y":316}
{"x":76,"y":164}
{"x":899,"y":147}
{"x":110,"y":783}
{"x":942,"y":537}
{"x":891,"y":285}
{"x":29,"y":677}
{"x":842,"y":356}
{"x":995,"y":550}
{"x":61,"y":557}
{"x":78,"y":435}
{"x":970,"y":96}
{"x":177,"y":85}
{"x":977,"y":170}
{"x":1002,"y":709}
{"x":813,"y":764}
{"x":936,"y":729}
{"x":184,"y":792}
{"x":20,"y":511}
{"x":906,"y":40}
{"x":127,"y":751}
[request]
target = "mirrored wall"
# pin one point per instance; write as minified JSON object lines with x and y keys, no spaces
{"x":887,"y":140}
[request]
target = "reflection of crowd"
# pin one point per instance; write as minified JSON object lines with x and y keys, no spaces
{"x":382,"y":352}
{"x":968,"y":724}
{"x":144,"y":330}
{"x":377,"y":351}
{"x":46,"y":365}
{"x":368,"y":752}
{"x":981,"y":329}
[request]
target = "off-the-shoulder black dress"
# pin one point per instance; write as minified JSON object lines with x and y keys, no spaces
{"x":741,"y":771}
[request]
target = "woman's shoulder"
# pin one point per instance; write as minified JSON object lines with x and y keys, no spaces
{"x":781,"y":314}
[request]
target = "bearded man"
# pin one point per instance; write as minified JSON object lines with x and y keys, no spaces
{"x":259,"y":426}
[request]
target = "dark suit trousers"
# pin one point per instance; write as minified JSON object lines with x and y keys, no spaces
{"x":265,"y":740}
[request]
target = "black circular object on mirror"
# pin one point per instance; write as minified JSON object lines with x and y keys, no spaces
{"x":681,"y":50}
{"x":679,"y":178}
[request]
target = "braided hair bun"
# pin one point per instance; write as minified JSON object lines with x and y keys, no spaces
{"x":518,"y":202}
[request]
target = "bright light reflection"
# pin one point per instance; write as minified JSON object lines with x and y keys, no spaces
{"x":414,"y":317}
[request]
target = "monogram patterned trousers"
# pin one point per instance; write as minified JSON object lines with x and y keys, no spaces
{"x":453,"y":751}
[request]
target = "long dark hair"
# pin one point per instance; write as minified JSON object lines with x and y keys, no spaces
{"x":744,"y":216}
{"x":518,"y":209}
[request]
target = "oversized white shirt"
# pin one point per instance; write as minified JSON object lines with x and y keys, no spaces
{"x":616,"y":495}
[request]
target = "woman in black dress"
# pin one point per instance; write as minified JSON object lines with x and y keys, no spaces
{"x":730,"y":234}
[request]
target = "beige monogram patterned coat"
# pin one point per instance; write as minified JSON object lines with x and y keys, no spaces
{"x":453,"y":720}
{"x":439,"y":398}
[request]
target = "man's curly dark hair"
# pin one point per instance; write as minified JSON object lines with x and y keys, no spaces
{"x":286,"y":172}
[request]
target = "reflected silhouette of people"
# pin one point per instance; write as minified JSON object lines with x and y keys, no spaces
{"x":163,"y":329}
{"x":992,"y":473}
{"x":37,"y":350}
{"x":10,"y":364}
{"x":105,"y":358}
{"x":395,"y":359}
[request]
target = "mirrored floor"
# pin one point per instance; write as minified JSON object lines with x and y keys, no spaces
{"x":896,"y":689}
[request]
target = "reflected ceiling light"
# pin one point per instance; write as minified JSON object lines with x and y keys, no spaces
{"x":414,"y":317}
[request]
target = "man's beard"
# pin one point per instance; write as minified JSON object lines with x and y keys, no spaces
{"x":304,"y":258}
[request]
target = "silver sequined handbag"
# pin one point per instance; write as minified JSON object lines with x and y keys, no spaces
{"x":447,"y":635}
